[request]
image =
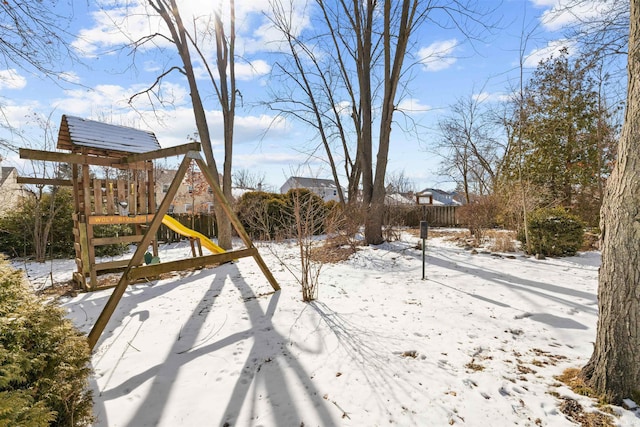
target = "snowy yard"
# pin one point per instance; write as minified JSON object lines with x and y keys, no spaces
{"x":476,"y":344}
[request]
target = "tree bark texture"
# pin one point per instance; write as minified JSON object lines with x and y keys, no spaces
{"x":614,"y":367}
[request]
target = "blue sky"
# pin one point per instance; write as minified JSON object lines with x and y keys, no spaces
{"x":265,"y":145}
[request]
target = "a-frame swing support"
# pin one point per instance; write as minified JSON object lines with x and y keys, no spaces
{"x":135,"y":270}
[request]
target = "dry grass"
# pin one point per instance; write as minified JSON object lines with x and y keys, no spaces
{"x":335,"y":249}
{"x":66,"y":289}
{"x":501,"y":240}
{"x":591,"y":242}
{"x":571,"y":377}
{"x":448,"y":234}
{"x":473,"y":366}
{"x":572,"y":408}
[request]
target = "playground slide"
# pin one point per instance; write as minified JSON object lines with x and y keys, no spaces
{"x":181,"y":229}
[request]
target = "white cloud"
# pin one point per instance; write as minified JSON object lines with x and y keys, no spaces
{"x":70,"y":76}
{"x":438,"y":55}
{"x":18,"y":115}
{"x":115,"y":26}
{"x":412,"y":105}
{"x":563,"y":13}
{"x":260,"y":159}
{"x":120,"y":23}
{"x":257,"y":31}
{"x":151,"y":67}
{"x":491,"y":97}
{"x":11,"y":79}
{"x":249,"y":71}
{"x":551,"y":49}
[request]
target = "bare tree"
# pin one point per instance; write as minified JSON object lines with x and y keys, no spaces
{"x":366,"y":44}
{"x":245,"y":178}
{"x":43,"y":199}
{"x":184,"y":41}
{"x":34,"y":38}
{"x":399,"y":182}
{"x":471,"y":148}
{"x":312,"y":99}
{"x":614,"y":367}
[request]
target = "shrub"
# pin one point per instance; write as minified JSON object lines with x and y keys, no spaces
{"x":304,"y":205}
{"x":44,"y":361}
{"x":479,"y":215}
{"x":553,"y":232}
{"x":17,"y":226}
{"x":269,"y":215}
{"x":111,"y":230}
{"x":261,"y":213}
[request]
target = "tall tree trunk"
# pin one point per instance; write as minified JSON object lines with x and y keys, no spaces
{"x":614,"y":367}
{"x":227,"y":96}
{"x":180,"y":37}
{"x":393,"y":61}
{"x":364,"y":64}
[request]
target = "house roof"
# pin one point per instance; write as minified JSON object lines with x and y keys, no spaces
{"x":399,"y":199}
{"x":312,"y":182}
{"x":437,"y":191}
{"x":77,"y":133}
{"x":6,"y":171}
{"x":441,"y":197}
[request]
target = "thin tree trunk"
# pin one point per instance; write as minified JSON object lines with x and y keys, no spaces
{"x":614,"y":367}
{"x":180,"y":38}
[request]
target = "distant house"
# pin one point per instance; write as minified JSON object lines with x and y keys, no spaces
{"x":399,"y":199}
{"x":10,"y":191}
{"x":193,"y":191}
{"x":324,"y":188}
{"x":193,"y":196}
{"x":434,"y":196}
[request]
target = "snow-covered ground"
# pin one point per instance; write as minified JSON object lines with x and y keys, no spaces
{"x":476,"y":344}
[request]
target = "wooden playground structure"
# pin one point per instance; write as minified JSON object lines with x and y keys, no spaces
{"x":99,"y":202}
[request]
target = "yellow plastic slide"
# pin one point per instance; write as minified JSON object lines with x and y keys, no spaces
{"x":181,"y":229}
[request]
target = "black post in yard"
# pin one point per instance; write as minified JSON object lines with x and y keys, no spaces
{"x":424,"y":231}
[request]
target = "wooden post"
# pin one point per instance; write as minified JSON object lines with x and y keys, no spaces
{"x":89,"y":248}
{"x":151,"y":200}
{"x":237,"y":225}
{"x":110,"y":197}
{"x":117,"y":293}
{"x":97,"y":196}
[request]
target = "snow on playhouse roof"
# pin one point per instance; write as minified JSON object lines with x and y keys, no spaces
{"x":77,"y":133}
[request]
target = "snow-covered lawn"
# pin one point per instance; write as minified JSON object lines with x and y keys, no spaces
{"x":476,"y":344}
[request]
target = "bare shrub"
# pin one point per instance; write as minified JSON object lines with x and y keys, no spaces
{"x":394,"y":220}
{"x":343,"y":225}
{"x":502,"y":240}
{"x":305,"y":213}
{"x":511,"y":199}
{"x":479,"y":215}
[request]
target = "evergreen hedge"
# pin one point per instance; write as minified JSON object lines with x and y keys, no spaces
{"x":553,"y":232}
{"x":44,"y":360}
{"x":271,"y":216}
{"x":17,"y":229}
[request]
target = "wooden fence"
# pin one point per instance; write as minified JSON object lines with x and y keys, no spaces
{"x":202,"y":223}
{"x":410,"y":216}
